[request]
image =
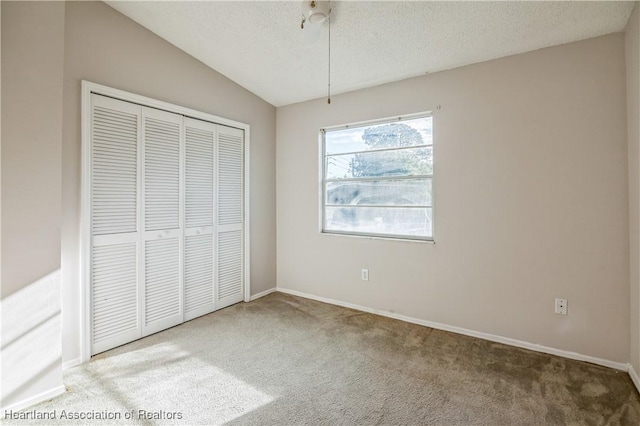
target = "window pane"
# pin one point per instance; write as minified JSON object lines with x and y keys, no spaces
{"x":404,"y":162}
{"x":417,"y":131}
{"x":406,"y":192}
{"x":411,"y":222}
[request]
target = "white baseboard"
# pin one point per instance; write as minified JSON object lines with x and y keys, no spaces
{"x":71,"y":363}
{"x":459,"y":330}
{"x":262,"y":294}
{"x":36,"y":399}
{"x":634,"y":377}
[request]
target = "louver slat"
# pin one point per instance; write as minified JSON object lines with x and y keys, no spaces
{"x":162,"y":174}
{"x":114,"y":173}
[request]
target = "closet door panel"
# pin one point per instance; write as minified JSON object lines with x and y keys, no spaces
{"x":230,"y":267}
{"x":114,"y":294}
{"x":198,"y":280}
{"x":162,"y":275}
{"x":199,"y":171}
{"x":162,"y":253}
{"x":115,"y":168}
{"x":230,"y":176}
{"x":114,"y":180}
{"x":199,"y":285}
{"x":230,"y":209}
{"x":161,"y":170}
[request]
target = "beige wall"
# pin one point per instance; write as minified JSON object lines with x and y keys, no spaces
{"x":632,"y":53}
{"x":105,"y":47}
{"x":32,"y":61}
{"x":31,"y":142}
{"x":530,"y":201}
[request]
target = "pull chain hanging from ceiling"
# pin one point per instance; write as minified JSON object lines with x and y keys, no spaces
{"x":329,"y":70}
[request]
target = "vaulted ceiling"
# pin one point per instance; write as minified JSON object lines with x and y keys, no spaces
{"x":260,"y":45}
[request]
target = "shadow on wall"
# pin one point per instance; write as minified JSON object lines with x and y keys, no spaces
{"x":31,"y":352}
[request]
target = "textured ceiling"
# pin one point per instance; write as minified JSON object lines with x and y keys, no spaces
{"x":260,"y":45}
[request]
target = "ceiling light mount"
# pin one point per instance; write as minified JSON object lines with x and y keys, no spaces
{"x":315,"y":12}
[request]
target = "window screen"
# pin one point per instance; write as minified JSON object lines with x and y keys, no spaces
{"x":378,"y":179}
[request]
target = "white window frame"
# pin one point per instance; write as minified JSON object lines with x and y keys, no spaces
{"x":324,"y":180}
{"x":85,"y":216}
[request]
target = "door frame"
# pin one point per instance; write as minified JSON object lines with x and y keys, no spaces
{"x":89,"y":88}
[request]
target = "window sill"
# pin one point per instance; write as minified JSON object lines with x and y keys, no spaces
{"x":376,"y":237}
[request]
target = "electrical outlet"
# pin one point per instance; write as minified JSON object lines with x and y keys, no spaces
{"x":364,"y":275}
{"x":561,"y":306}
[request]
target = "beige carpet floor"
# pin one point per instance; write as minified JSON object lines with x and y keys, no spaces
{"x":284,"y":360}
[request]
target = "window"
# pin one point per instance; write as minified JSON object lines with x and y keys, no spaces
{"x":378,"y":179}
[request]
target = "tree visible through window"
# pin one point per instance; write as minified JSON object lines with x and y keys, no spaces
{"x":377,"y":179}
{"x":406,"y":162}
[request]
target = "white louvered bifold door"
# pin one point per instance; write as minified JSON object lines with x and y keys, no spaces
{"x":167,"y":235}
{"x":115,"y":184}
{"x":199,"y":296}
{"x":230,"y":216}
{"x":162,"y":291}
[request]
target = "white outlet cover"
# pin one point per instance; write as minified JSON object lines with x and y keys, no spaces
{"x":365,"y":275}
{"x":561,"y":306}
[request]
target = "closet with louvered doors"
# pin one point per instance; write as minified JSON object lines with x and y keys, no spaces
{"x":167,"y":220}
